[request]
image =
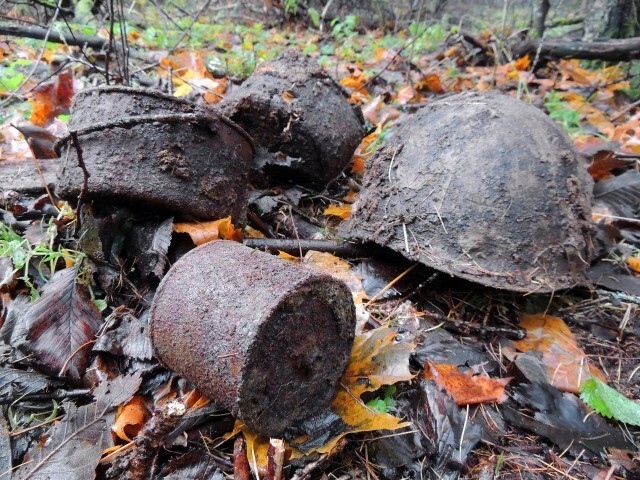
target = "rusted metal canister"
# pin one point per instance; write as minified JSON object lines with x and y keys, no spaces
{"x":262,"y":336}
{"x":146,"y":148}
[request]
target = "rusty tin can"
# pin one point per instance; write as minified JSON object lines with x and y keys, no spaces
{"x":263,"y":337}
{"x":143,"y":147}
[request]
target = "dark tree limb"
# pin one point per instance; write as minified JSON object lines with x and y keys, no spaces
{"x":540,"y":16}
{"x":39,"y":33}
{"x":621,"y":50}
{"x":293,"y":246}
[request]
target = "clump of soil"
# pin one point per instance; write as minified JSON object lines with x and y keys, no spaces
{"x":483,"y":187}
{"x":304,"y":126}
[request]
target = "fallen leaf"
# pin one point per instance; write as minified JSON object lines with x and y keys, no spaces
{"x":378,"y":112}
{"x":343,"y":211}
{"x":288,"y":256}
{"x":603,"y":162}
{"x":203,"y":232}
{"x":51,"y":99}
{"x":56,"y":328}
{"x":523,"y":63}
{"x":74,"y":445}
{"x":377,"y":359}
{"x":634,"y":263}
{"x":407,"y":94}
{"x":288,"y":96}
{"x":39,"y":139}
{"x":131,"y":418}
{"x":431,"y":82}
{"x":567,"y":364}
{"x":467,"y":388}
{"x":610,"y":403}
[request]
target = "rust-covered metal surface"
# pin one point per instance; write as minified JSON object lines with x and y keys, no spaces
{"x":142,"y":147}
{"x":301,"y":120}
{"x":264,"y":337}
{"x":484,"y":187}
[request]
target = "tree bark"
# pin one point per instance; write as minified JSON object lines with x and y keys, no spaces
{"x":619,"y":50}
{"x":540,"y":11}
{"x":40,"y":33}
{"x":612,"y":19}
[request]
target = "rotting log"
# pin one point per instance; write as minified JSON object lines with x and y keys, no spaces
{"x":39,"y":33}
{"x":264,"y":337}
{"x":620,"y":50}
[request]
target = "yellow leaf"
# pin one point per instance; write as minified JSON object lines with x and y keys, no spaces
{"x":377,"y":359}
{"x":286,"y":256}
{"x":343,"y":211}
{"x":183,"y":90}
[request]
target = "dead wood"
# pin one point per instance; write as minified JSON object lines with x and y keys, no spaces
{"x":609,"y":50}
{"x":39,"y":33}
{"x":293,"y":247}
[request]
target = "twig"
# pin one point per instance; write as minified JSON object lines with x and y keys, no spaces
{"x":58,"y":394}
{"x":39,"y":33}
{"x":275,"y":459}
{"x":241,"y":469}
{"x":340,"y":249}
{"x":258,"y":222}
{"x":152,"y":437}
{"x":85,"y":179}
{"x":310,"y":468}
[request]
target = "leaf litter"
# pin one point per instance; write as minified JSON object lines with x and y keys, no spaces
{"x":425,"y":432}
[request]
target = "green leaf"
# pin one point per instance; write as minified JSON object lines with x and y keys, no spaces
{"x":314,"y":16}
{"x":378,"y":404}
{"x":609,"y":402}
{"x":99,"y":304}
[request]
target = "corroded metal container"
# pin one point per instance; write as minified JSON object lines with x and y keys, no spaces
{"x":142,"y":147}
{"x":264,"y":337}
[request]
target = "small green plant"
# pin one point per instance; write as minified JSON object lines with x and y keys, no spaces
{"x":291,"y":7}
{"x":29,"y":260}
{"x":563,"y":113}
{"x":386,"y":403}
{"x":609,"y":402}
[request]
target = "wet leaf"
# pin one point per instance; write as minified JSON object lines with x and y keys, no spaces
{"x":621,"y":194}
{"x":73,"y":446}
{"x":610,"y":403}
{"x":52,"y":99}
{"x":378,"y":112}
{"x":567,"y":364}
{"x":15,"y":383}
{"x":128,"y":337}
{"x":131,"y":418}
{"x":431,"y":82}
{"x":467,"y":388}
{"x":57,"y":327}
{"x":203,"y":232}
{"x":39,"y":139}
{"x":194,"y":465}
{"x":634,"y":263}
{"x":562,"y":419}
{"x":377,"y":359}
{"x":343,"y":211}
{"x":603,"y":162}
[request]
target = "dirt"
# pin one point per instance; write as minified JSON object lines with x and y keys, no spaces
{"x":300,"y":118}
{"x":263,"y":337}
{"x":483,"y":187}
{"x":193,"y":169}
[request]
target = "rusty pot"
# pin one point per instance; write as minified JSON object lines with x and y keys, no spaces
{"x":484,"y":187}
{"x":305,"y":128}
{"x":262,"y":336}
{"x":146,"y":148}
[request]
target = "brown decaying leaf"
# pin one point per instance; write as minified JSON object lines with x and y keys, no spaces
{"x":131,"y":418}
{"x":52,"y":99}
{"x":377,"y":359}
{"x":39,"y":139}
{"x":467,"y":388}
{"x":567,"y":364}
{"x":61,"y":321}
{"x":603,"y":162}
{"x":203,"y":232}
{"x":74,"y":445}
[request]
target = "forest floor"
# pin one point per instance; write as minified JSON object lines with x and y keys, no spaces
{"x":462,"y":380}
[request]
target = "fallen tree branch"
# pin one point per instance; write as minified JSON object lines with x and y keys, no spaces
{"x":610,"y":50}
{"x":293,"y":247}
{"x":39,"y":33}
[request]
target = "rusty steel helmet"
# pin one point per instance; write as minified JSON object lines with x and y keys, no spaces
{"x":483,"y":187}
